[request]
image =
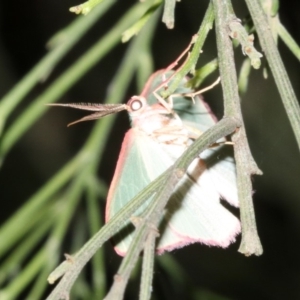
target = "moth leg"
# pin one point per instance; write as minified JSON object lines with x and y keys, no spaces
{"x":221,"y":143}
{"x":194,"y":133}
{"x":167,"y":106}
{"x":182,"y":130}
{"x":163,"y":102}
{"x":176,"y":135}
{"x":175,"y":63}
{"x":170,"y":129}
{"x":165,"y":80}
{"x":192,"y":95}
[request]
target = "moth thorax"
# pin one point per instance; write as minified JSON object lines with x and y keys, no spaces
{"x":151,"y":123}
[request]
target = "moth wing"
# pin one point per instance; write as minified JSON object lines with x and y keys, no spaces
{"x":221,"y":165}
{"x":221,"y":171}
{"x":141,"y":161}
{"x":195,"y":214}
{"x":198,"y":114}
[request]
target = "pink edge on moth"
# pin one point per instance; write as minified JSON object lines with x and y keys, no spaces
{"x":125,"y":149}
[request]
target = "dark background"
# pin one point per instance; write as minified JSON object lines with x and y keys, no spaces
{"x":25,"y":28}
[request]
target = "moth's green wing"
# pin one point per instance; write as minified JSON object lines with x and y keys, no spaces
{"x":141,"y":161}
{"x":194,"y":212}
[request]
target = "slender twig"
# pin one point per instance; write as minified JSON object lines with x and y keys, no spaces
{"x":95,"y":222}
{"x":138,"y":25}
{"x":245,"y":164}
{"x":148,"y":266}
{"x":190,"y":63}
{"x":73,"y":265}
{"x":86,"y":7}
{"x":283,"y":83}
{"x":244,"y":76}
{"x":288,"y":40}
{"x":203,"y":72}
{"x":169,"y":13}
{"x":62,"y":219}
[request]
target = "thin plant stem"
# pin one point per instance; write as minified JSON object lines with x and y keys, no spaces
{"x":191,"y":61}
{"x":245,"y":164}
{"x":95,"y":222}
{"x":282,"y":81}
{"x":148,"y":266}
{"x":288,"y":40}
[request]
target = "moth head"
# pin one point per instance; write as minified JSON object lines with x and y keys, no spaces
{"x":136,"y":105}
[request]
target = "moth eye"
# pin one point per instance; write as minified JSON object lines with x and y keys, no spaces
{"x":136,"y":103}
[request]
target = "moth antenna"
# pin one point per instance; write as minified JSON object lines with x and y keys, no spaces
{"x":101,"y":110}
